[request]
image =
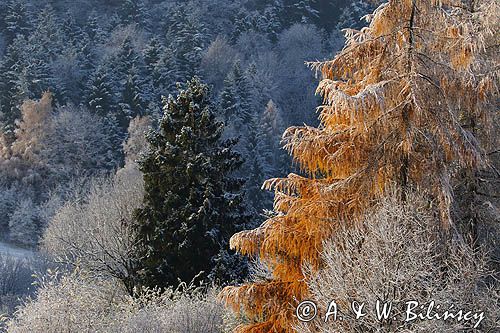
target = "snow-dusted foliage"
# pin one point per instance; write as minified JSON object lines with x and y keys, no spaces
{"x":24,"y":225}
{"x":136,"y":144}
{"x":117,"y":60}
{"x":394,"y":255}
{"x":217,"y":61}
{"x":193,"y":202}
{"x":78,"y":303}
{"x":80,"y":144}
{"x":97,"y":233}
{"x":352,"y":15}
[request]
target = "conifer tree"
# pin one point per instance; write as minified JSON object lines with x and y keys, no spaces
{"x":100,"y":95}
{"x":192,"y":202}
{"x":101,"y":101}
{"x":17,"y":21}
{"x":126,"y":59}
{"x":236,"y":104}
{"x":11,"y":92}
{"x":187,"y":34}
{"x":303,"y":11}
{"x":392,"y":100}
{"x":352,"y":14}
{"x":257,"y":167}
{"x":7,"y":116}
{"x":132,"y":103}
{"x":271,"y":128}
{"x":93,"y":29}
{"x":74,"y":34}
{"x":133,"y":12}
{"x":47,"y":38}
{"x":152,"y":59}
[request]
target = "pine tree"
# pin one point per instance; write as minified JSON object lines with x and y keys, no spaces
{"x":74,"y":34}
{"x":271,"y":127}
{"x":152,"y":57}
{"x":93,"y":29}
{"x":100,"y":95}
{"x":132,"y":103}
{"x":242,"y":23}
{"x":236,"y":104}
{"x":192,"y":202}
{"x":17,"y":21}
{"x":11,"y":90}
{"x":257,"y":168}
{"x":7,"y":116}
{"x":188,"y":37}
{"x":392,"y":100}
{"x":157,"y":72}
{"x":126,"y":59}
{"x":303,"y":11}
{"x":164,"y":74}
{"x":47,"y":38}
{"x":352,"y":14}
{"x":24,"y":225}
{"x":133,"y":12}
{"x":101,"y":101}
{"x":271,"y":23}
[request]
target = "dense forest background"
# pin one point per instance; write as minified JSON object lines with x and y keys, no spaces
{"x":107,"y":62}
{"x":82,"y":82}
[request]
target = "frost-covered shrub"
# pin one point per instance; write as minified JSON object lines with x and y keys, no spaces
{"x":96,"y":232}
{"x":77,"y":302}
{"x":178,"y":311}
{"x":395,"y":255}
{"x":24,"y":223}
{"x":81,"y":143}
{"x":16,"y":275}
{"x":16,"y":280}
{"x":136,"y":143}
{"x":7,"y":206}
{"x":70,"y":303}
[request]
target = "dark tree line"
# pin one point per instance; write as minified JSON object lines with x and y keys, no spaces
{"x":105,"y":63}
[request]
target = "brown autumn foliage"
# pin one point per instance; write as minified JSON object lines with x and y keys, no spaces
{"x":32,"y":129}
{"x":395,"y":102}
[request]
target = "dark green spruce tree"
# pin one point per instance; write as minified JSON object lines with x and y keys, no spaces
{"x":193,"y":203}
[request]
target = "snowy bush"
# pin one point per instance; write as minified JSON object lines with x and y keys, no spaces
{"x":15,"y":275}
{"x":79,"y":303}
{"x":24,"y":223}
{"x":7,"y":206}
{"x":395,"y":255}
{"x":97,"y":232}
{"x":16,"y":280}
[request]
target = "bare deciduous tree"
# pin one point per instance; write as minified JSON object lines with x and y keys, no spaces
{"x":97,"y":234}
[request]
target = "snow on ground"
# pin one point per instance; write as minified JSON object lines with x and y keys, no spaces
{"x":13,"y":251}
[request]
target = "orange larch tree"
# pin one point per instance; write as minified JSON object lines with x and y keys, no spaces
{"x":394,"y":100}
